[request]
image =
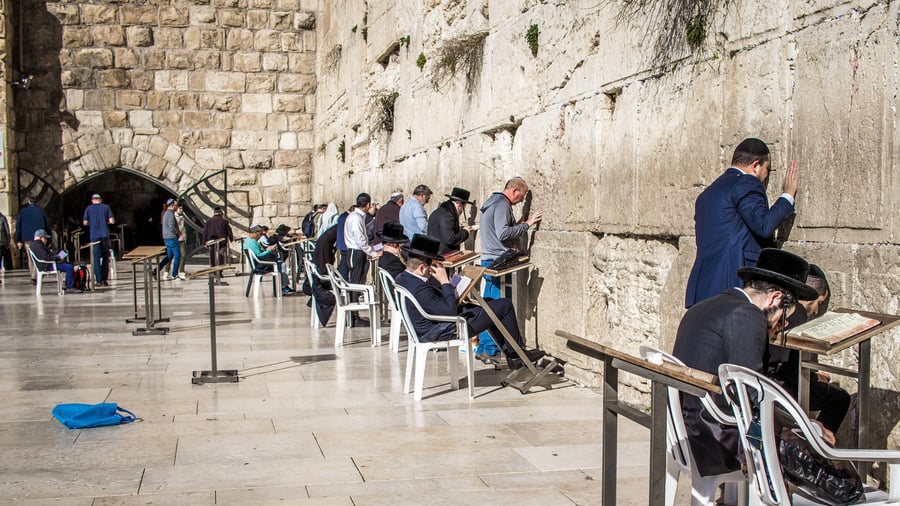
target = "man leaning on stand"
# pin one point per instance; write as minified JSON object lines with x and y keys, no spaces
{"x":443,"y":224}
{"x":499,"y":231}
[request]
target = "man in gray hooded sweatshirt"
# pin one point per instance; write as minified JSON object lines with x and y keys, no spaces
{"x":499,"y":231}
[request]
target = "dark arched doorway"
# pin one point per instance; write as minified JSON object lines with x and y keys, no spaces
{"x":135,"y":199}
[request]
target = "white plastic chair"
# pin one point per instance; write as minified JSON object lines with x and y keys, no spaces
{"x":678,"y":452}
{"x":255,"y":278}
{"x":418,"y":351}
{"x":40,"y":273}
{"x":387,"y":284}
{"x":345,"y":302}
{"x":767,"y":485}
{"x":313,"y":275}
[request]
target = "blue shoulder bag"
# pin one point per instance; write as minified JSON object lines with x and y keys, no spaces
{"x":84,"y":416}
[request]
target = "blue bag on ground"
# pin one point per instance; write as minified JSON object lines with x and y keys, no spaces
{"x":84,"y":416}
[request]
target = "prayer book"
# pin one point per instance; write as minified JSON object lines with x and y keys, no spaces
{"x":833,"y":327}
{"x":461,"y":285}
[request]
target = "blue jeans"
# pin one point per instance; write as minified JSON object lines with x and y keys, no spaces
{"x":486,"y":344}
{"x":173,"y":254}
{"x":101,"y":259}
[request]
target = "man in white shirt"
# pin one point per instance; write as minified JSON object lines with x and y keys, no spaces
{"x":358,"y":248}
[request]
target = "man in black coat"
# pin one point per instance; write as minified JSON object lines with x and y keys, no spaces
{"x":323,"y":255}
{"x":428,"y":283}
{"x":734,"y":328}
{"x":392,"y":238}
{"x":443,"y":224}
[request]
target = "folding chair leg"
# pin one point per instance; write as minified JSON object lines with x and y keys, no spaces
{"x":421,"y":353}
{"x":339,"y":327}
{"x":410,"y":358}
{"x":453,"y":361}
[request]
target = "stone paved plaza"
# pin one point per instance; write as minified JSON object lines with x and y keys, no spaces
{"x":306,"y":424}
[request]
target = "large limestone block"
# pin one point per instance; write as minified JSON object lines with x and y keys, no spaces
{"x":676,"y":146}
{"x":844,"y":136}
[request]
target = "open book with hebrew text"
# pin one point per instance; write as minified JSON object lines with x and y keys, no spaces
{"x":833,"y":327}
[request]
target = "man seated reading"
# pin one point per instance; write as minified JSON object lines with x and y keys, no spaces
{"x":265,"y":253}
{"x":43,"y":250}
{"x":428,"y":283}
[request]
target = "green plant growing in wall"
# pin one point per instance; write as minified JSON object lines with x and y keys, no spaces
{"x":355,"y":27}
{"x":365,"y":26}
{"x":420,"y":61}
{"x":381,"y":107}
{"x":404,"y":41}
{"x":531,"y":36}
{"x":695,"y":32}
{"x":342,"y":151}
{"x":463,"y":54}
{"x":670,"y":25}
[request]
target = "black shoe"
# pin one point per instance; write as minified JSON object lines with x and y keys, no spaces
{"x":514,"y":363}
{"x":287,"y":291}
{"x":309,"y":302}
{"x":535,"y":354}
{"x":359,"y":322}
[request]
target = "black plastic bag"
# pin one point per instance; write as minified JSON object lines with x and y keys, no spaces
{"x":832,"y":481}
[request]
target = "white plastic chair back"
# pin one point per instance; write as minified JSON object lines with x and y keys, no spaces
{"x":418,"y":351}
{"x":256,"y":277}
{"x":749,"y":392}
{"x":344,"y":296}
{"x":387,"y":286}
{"x":678,"y":451}
{"x":314,"y":277}
{"x":40,"y":273}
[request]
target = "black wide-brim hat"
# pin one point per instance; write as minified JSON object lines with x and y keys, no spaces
{"x":423,"y":246}
{"x":784,"y":269}
{"x":460,"y":195}
{"x":393,"y":232}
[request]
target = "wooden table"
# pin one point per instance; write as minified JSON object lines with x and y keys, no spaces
{"x":144,"y":255}
{"x":213,"y":375}
{"x":808,"y":349}
{"x":465,"y":258}
{"x":685,"y":379}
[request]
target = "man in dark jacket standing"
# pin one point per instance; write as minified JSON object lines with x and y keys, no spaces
{"x":30,"y":219}
{"x":733,"y":220}
{"x":388,"y":213}
{"x":443,"y":224}
{"x":215,"y":228}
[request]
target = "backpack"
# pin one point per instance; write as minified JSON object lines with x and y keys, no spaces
{"x":84,"y":416}
{"x":79,"y":275}
{"x":308,"y":226}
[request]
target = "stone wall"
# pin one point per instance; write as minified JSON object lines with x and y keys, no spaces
{"x":616,"y":149}
{"x":176,"y":90}
{"x":6,"y":189}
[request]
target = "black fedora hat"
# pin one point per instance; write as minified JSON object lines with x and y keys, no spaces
{"x":460,"y":195}
{"x":424,"y":246}
{"x":393,"y":232}
{"x":784,"y":269}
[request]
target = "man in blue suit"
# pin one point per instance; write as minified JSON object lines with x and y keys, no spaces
{"x":733,"y":220}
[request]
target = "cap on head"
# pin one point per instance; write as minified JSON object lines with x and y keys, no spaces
{"x":96,"y":196}
{"x":218,"y":211}
{"x":784,"y":269}
{"x":39,"y":233}
{"x":256,"y":227}
{"x":170,"y":202}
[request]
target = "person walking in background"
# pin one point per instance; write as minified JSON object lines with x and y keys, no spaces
{"x":412,"y":214}
{"x":5,"y":256}
{"x":733,"y":221}
{"x":30,"y":219}
{"x":182,"y":239}
{"x":98,"y":217}
{"x":170,"y":235}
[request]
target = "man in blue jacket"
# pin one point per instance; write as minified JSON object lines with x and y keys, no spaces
{"x":733,"y":221}
{"x":30,"y":219}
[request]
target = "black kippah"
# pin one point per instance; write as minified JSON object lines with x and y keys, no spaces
{"x":753,"y":147}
